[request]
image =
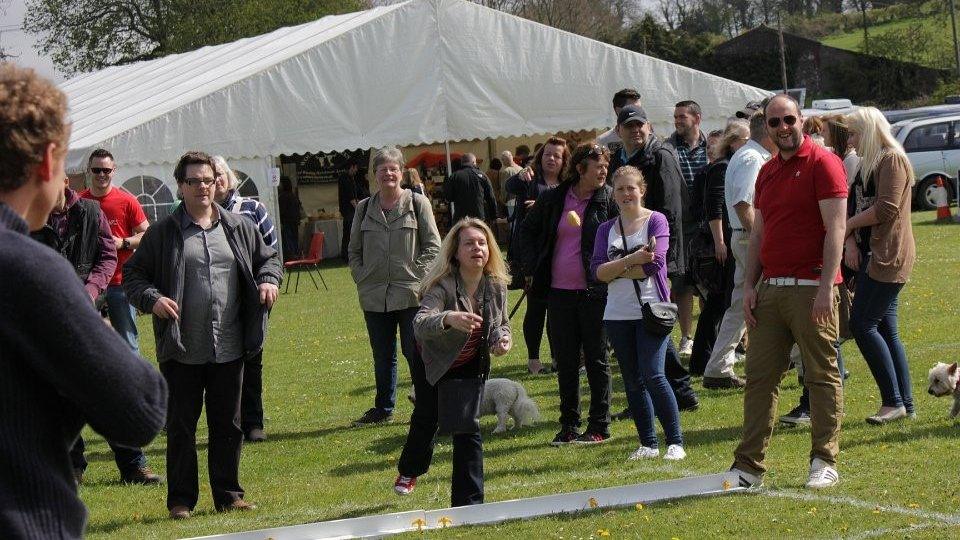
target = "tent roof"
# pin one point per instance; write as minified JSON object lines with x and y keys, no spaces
{"x":416,"y":72}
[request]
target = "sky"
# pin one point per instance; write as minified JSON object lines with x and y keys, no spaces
{"x":17,"y":42}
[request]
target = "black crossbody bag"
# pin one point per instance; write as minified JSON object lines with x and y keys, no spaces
{"x":658,"y":317}
{"x":458,"y":400}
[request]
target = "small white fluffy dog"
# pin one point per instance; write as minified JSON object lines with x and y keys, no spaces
{"x":943,"y":382}
{"x":505,"y":398}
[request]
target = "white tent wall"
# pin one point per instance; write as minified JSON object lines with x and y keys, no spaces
{"x":418,"y":72}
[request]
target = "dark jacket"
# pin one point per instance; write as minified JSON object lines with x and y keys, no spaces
{"x":86,"y":241}
{"x":708,"y":197}
{"x":441,"y":345}
{"x":346,"y":192}
{"x":60,"y":367}
{"x":666,"y":192}
{"x":157,"y":269}
{"x":471,"y":194}
{"x":523,"y":191}
{"x":538,"y":236}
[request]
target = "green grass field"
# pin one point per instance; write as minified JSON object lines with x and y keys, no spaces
{"x":896,"y":481}
{"x":935,"y":53}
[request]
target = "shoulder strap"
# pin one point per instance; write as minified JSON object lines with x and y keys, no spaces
{"x":623,"y":235}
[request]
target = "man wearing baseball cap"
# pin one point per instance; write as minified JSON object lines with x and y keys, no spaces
{"x":666,"y":193}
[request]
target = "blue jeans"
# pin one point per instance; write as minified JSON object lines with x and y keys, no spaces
{"x":641,"y":357}
{"x":873,"y":323}
{"x":382,"y":328}
{"x":122,"y":316}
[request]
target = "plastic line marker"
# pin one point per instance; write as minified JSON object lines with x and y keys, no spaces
{"x":635,"y":495}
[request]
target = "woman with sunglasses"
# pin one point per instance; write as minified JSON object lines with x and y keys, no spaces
{"x":630,"y":255}
{"x":880,"y":247}
{"x":558,"y":237}
{"x":549,"y":166}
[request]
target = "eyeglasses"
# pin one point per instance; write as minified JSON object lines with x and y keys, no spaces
{"x":100,"y":170}
{"x":194,"y":182}
{"x":787,"y":120}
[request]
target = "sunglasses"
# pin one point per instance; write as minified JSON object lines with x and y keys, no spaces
{"x":597,"y":151}
{"x":788,"y":120}
{"x":194,"y":182}
{"x":100,"y":170}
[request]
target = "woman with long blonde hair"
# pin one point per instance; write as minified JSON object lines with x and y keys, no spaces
{"x":880,"y":247}
{"x":462,"y":320}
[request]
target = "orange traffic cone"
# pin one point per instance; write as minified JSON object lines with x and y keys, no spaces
{"x":943,"y":204}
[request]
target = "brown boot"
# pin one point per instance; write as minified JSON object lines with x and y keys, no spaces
{"x":179,"y":512}
{"x":238,"y":505}
{"x":144,"y":476}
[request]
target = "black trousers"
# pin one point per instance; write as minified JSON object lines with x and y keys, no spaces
{"x":576,"y":323}
{"x":251,"y":397}
{"x":708,"y":325}
{"x":345,"y":239}
{"x":466,"y":484}
{"x":127,"y":458}
{"x":190,"y":386}
{"x":533,"y":323}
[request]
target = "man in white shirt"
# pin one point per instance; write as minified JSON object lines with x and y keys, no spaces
{"x":627,"y":96}
{"x":739,"y":183}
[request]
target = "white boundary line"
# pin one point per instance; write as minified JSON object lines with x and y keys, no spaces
{"x":947,"y":519}
{"x":496,"y":512}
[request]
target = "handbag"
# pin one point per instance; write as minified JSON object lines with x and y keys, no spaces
{"x":458,"y":400}
{"x":658,"y":317}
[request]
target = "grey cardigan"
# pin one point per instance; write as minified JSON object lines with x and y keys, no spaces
{"x":439,"y":345}
{"x":156,"y":269}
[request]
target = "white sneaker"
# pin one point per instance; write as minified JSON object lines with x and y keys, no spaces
{"x":675,"y":452}
{"x":822,"y":475}
{"x":686,"y":346}
{"x":645,"y":452}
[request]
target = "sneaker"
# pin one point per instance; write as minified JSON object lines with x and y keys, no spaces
{"x":644,"y":452}
{"x":747,"y":480}
{"x":622,"y":415}
{"x":686,"y":347}
{"x":590,"y":437}
{"x":565,"y":436}
{"x":822,"y":475}
{"x":255,"y":435}
{"x":797,"y":416}
{"x":404,"y":485}
{"x":675,"y":452}
{"x":688,"y":402}
{"x":718,"y":383}
{"x":143,"y":476}
{"x":373,"y":416}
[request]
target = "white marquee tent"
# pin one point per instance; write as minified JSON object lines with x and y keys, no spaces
{"x":417,"y":72}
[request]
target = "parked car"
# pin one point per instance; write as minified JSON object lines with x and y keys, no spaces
{"x":900,"y":115}
{"x":933,"y":146}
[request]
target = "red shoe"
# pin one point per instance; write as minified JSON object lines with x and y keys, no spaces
{"x":591,"y":437}
{"x":404,"y":485}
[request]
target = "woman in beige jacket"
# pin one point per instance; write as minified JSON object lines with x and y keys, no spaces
{"x":393,"y":240}
{"x":880,"y":247}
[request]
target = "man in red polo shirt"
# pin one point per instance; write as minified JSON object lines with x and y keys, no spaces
{"x":793,"y":267}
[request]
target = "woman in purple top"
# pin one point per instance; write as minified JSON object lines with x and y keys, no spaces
{"x":629,"y":254}
{"x":559,"y":230}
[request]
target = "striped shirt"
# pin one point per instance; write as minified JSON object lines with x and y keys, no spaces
{"x":692,"y":158}
{"x":256,"y":212}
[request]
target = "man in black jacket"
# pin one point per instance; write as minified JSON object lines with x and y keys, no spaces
{"x":348,"y":199}
{"x":209,"y":279}
{"x":60,"y":365}
{"x":470,"y":192}
{"x":667,"y":194}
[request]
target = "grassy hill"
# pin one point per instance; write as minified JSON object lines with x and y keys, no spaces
{"x":926,"y":40}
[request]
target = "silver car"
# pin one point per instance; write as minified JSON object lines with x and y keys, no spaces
{"x":933,"y":146}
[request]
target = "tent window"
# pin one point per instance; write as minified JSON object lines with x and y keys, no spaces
{"x":154,"y":196}
{"x":247,"y":187}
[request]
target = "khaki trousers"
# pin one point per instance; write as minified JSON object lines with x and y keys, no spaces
{"x":783,"y":317}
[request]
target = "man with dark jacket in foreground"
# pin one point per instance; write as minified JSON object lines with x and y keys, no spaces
{"x":209,"y":279}
{"x":470,"y":192}
{"x":667,"y":194}
{"x":60,"y":365}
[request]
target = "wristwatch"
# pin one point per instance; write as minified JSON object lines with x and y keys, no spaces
{"x":125,"y":244}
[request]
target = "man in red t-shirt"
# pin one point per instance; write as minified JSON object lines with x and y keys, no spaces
{"x":127,"y":224}
{"x":793,"y":267}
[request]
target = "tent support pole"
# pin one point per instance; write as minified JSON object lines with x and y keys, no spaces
{"x":446,"y":146}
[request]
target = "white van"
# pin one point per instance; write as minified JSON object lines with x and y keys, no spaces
{"x":933,"y":146}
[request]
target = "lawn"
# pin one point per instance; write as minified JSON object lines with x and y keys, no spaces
{"x":896,"y":481}
{"x":933,"y":53}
